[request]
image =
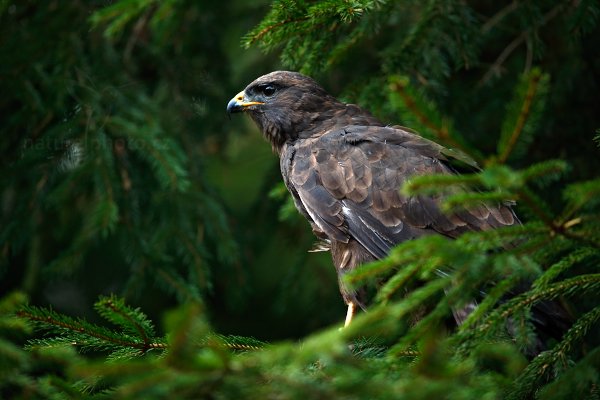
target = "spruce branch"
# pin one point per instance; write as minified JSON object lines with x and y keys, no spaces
{"x":140,"y":26}
{"x":578,"y":284}
{"x":118,"y":15}
{"x":177,"y":285}
{"x":431,"y":184}
{"x":580,"y":195}
{"x":133,"y":321}
{"x":198,"y":263}
{"x":490,"y":300}
{"x":537,"y":206}
{"x":565,"y":229}
{"x":574,"y":380}
{"x":370,"y":270}
{"x":407,"y":353}
{"x":387,"y":317}
{"x":429,"y":322}
{"x":563,"y":265}
{"x":414,"y":301}
{"x":239,"y":343}
{"x":252,"y":37}
{"x":507,"y":184}
{"x":583,"y":17}
{"x":97,"y":337}
{"x":496,"y":67}
{"x":138,"y":332}
{"x":162,"y":152}
{"x":499,"y":16}
{"x":558,"y":357}
{"x":507,"y":145}
{"x":408,"y":255}
{"x":544,"y":171}
{"x":441,"y":131}
{"x":461,"y":201}
{"x":396,"y":282}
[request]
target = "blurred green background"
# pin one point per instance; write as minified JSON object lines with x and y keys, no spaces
{"x":121,"y":172}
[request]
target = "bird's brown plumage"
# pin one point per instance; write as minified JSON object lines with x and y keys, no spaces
{"x":344,"y":169}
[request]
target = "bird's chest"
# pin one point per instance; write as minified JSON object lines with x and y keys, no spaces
{"x":285,"y":163}
{"x":286,"y":160}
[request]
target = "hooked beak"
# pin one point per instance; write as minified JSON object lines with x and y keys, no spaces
{"x":239,"y":103}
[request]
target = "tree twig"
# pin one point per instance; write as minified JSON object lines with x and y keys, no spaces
{"x":269,"y":28}
{"x":490,"y":23}
{"x":512,"y":46}
{"x":441,"y":132}
{"x":522,"y":119}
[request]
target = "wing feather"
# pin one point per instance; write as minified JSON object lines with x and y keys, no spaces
{"x":348,"y":181}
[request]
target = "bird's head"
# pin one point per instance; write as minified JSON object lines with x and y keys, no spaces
{"x":286,"y":106}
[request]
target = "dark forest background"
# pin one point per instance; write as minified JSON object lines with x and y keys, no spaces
{"x":123,"y":176}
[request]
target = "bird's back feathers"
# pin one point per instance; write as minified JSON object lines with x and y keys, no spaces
{"x":348,"y":181}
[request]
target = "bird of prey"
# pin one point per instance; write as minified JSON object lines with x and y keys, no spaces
{"x":344,"y":169}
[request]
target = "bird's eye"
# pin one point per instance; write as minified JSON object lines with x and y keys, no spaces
{"x":268,"y":90}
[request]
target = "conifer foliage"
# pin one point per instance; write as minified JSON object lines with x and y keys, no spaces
{"x":96,"y":160}
{"x":82,"y":130}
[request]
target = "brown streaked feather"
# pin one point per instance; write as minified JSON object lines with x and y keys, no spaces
{"x":361,"y":169}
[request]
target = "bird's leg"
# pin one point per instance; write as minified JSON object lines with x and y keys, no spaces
{"x":350,"y":314}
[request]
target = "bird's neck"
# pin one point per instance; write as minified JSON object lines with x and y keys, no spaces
{"x":315,"y":124}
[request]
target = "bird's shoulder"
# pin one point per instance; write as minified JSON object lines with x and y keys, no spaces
{"x":338,"y":140}
{"x":348,"y":152}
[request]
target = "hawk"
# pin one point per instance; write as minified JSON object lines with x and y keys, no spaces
{"x":344,"y":169}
